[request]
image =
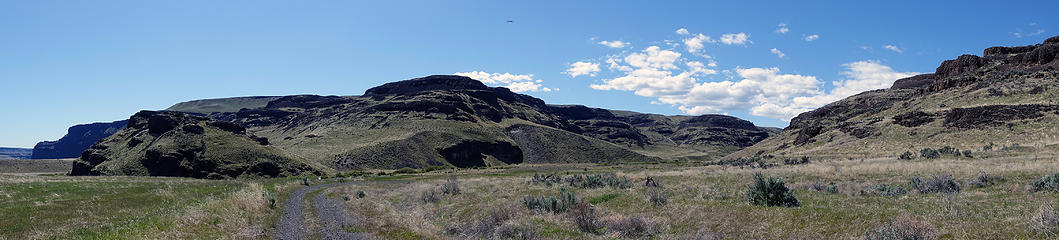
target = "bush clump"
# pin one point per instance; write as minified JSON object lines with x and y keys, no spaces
{"x":630,"y":227}
{"x":1046,"y":183}
{"x":936,"y":184}
{"x":929,"y":153}
{"x":770,"y":192}
{"x":451,"y":187}
{"x":657,"y":197}
{"x":553,"y":204}
{"x":429,"y":196}
{"x":361,"y":194}
{"x":884,"y":190}
{"x":546,"y":180}
{"x":1045,"y":222}
{"x":796,"y":161}
{"x":904,"y":227}
{"x":598,"y":181}
{"x":586,"y":218}
{"x":405,"y":170}
{"x":908,"y":155}
{"x":984,"y":179}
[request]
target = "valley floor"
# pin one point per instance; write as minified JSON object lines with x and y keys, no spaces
{"x":839,"y":199}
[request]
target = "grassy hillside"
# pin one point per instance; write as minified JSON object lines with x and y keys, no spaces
{"x":178,"y":144}
{"x":1004,"y":101}
{"x":232,"y":104}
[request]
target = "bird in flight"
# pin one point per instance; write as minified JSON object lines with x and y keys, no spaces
{"x":510,"y":21}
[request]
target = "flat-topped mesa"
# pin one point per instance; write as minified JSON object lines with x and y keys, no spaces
{"x":434,"y":82}
{"x":720,"y":121}
{"x":962,"y":70}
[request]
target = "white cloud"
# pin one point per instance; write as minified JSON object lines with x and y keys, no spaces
{"x":777,"y":52}
{"x":683,"y":31}
{"x":810,"y":38}
{"x":735,"y":38}
{"x":762,"y":92}
{"x":695,"y":44}
{"x":582,"y":68}
{"x":653,"y":57}
{"x":614,"y":44}
{"x":893,"y":48}
{"x":782,"y":28}
{"x":515,"y":82}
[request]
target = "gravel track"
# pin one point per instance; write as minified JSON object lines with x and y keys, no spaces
{"x":333,"y":217}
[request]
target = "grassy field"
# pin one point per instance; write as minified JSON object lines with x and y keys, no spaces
{"x":61,"y":207}
{"x":698,"y":202}
{"x":35,"y":165}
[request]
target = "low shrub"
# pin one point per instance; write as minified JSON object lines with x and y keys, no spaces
{"x":361,"y":194}
{"x":405,"y":170}
{"x":936,"y":184}
{"x":547,"y":180}
{"x":884,"y":190}
{"x":1046,"y":183}
{"x":904,"y":227}
{"x":796,"y":161}
{"x":908,"y":155}
{"x":556,"y":204}
{"x":630,"y":227}
{"x":598,"y":181}
{"x":984,"y":179}
{"x":451,"y":187}
{"x":929,"y":153}
{"x":770,"y":192}
{"x":1045,"y":222}
{"x":432,"y":168}
{"x":967,"y":153}
{"x":657,"y":197}
{"x":585,"y":217}
{"x":429,"y":196}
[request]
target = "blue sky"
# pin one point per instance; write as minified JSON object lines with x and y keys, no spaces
{"x":71,"y":62}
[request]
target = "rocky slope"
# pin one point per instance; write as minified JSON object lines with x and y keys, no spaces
{"x":183,"y":145}
{"x":1009,"y":96}
{"x":77,"y":139}
{"x":15,"y":153}
{"x":457,"y":121}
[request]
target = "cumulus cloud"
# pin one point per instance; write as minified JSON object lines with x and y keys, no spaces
{"x":893,"y":48}
{"x":765,"y":92}
{"x":810,"y":38}
{"x":683,"y":31}
{"x":582,"y":68}
{"x":614,"y":44}
{"x":735,"y":38}
{"x":697,"y":43}
{"x":778,"y":53}
{"x":515,"y":82}
{"x":783,"y":29}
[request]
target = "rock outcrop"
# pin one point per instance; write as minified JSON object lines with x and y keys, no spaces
{"x":183,"y":145}
{"x":966,"y":103}
{"x":77,"y":139}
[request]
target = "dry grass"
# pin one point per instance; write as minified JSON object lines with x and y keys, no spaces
{"x":709,"y":202}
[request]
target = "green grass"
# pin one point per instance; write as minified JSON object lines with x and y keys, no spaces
{"x":604,"y":198}
{"x":63,"y":207}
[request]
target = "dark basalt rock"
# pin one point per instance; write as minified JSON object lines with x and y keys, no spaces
{"x":721,"y":121}
{"x":78,"y":139}
{"x":471,"y":153}
{"x":307,"y":101}
{"x":913,"y":118}
{"x":962,"y":64}
{"x":806,"y":135}
{"x":995,"y":115}
{"x":430,"y":83}
{"x":179,"y":146}
{"x":914,"y":82}
{"x":1052,"y":40}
